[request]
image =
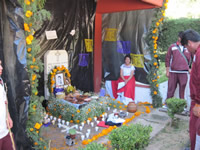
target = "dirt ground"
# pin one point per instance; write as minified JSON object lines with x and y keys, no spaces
{"x":171,"y":138}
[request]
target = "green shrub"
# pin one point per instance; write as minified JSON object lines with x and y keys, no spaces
{"x":171,"y":28}
{"x":175,"y":106}
{"x":135,"y":136}
{"x":94,"y":146}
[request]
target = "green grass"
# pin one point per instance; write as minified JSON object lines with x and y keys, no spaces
{"x":162,"y":72}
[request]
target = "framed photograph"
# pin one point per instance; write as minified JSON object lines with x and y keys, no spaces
{"x":60,"y":79}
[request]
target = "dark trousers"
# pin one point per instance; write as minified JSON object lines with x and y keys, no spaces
{"x":174,"y":79}
{"x":5,"y":143}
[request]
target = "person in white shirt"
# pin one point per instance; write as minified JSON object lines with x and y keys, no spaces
{"x":127,"y":92}
{"x":5,"y":119}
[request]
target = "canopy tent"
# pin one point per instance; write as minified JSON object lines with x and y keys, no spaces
{"x":105,"y":6}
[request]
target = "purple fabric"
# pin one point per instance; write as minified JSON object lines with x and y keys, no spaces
{"x":124,"y":47}
{"x":83,"y":59}
{"x":102,"y":92}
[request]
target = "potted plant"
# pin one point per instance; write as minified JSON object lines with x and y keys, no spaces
{"x":72,"y":133}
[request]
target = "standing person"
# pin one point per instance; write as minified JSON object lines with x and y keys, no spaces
{"x":177,"y":67}
{"x":191,"y":40}
{"x":5,"y":119}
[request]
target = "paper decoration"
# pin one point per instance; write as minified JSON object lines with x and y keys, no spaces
{"x":111,"y":34}
{"x":138,"y":60}
{"x":89,"y":45}
{"x":51,"y":35}
{"x":124,"y":47}
{"x":83,"y":59}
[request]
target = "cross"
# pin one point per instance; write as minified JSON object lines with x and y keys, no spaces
{"x":57,"y":55}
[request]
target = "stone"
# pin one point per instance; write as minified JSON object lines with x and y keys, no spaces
{"x":53,"y":58}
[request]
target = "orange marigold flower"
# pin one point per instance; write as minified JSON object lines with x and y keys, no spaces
{"x":31,"y":129}
{"x":72,"y":115}
{"x":155,"y":93}
{"x":85,"y":142}
{"x":35,"y":143}
{"x":78,"y":111}
{"x":71,"y":121}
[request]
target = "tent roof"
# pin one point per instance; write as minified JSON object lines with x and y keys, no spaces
{"x":109,"y":6}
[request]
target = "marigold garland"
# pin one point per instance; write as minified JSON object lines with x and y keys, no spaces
{"x":152,"y":39}
{"x":52,"y":74}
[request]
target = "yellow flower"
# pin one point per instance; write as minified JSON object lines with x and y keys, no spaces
{"x":90,"y":119}
{"x":156,"y":85}
{"x":114,"y":105}
{"x":31,"y":129}
{"x":120,"y":106}
{"x":77,"y":121}
{"x":28,"y":13}
{"x":44,"y":146}
{"x":154,"y":52}
{"x":156,"y":56}
{"x":37,"y":131}
{"x":27,"y":2}
{"x":71,"y":121}
{"x":33,"y":59}
{"x":35,"y":143}
{"x":36,"y":93}
{"x":78,"y":111}
{"x":158,"y":77}
{"x":85,"y":142}
{"x":89,"y":109}
{"x":34,"y":77}
{"x":37,"y":126}
{"x":157,"y":23}
{"x":72,"y":115}
{"x":28,"y":41}
{"x":26,"y":27}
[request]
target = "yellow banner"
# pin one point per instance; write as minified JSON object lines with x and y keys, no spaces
{"x":138,"y":60}
{"x":89,"y":45}
{"x":111,"y":34}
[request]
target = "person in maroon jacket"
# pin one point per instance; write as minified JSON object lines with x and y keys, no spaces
{"x":191,"y":40}
{"x":177,"y":67}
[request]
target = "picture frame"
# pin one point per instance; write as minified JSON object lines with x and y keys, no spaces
{"x":60,"y":79}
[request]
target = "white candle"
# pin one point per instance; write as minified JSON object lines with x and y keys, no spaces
{"x":82,"y":123}
{"x":54,"y":118}
{"x":96,"y":128}
{"x":46,"y":115}
{"x":127,"y":113}
{"x":59,"y":125}
{"x":97,"y":121}
{"x":51,"y":117}
{"x":103,"y":119}
{"x":120,"y":111}
{"x":59,"y":120}
{"x":48,"y":119}
{"x":92,"y":124}
{"x":67,"y":123}
{"x":63,"y":122}
{"x":76,"y":126}
{"x":82,"y":137}
{"x":87,"y":135}
{"x":88,"y":121}
{"x":106,"y":114}
{"x":81,"y":128}
{"x":88,"y":130}
{"x":108,"y":108}
{"x":95,"y":118}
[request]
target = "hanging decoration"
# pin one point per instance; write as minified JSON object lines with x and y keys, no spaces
{"x":124,"y":47}
{"x":83,"y":59}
